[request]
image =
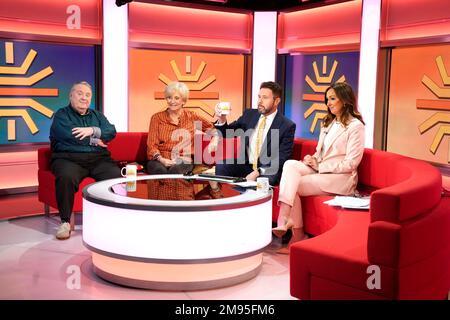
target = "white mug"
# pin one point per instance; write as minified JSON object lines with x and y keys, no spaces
{"x":130,"y":171}
{"x":225,"y":107}
{"x":262,"y":184}
{"x":131,"y":186}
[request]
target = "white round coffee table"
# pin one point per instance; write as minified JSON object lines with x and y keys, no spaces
{"x":139,"y":239}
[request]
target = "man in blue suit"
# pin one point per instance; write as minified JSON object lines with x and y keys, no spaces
{"x":267,"y":136}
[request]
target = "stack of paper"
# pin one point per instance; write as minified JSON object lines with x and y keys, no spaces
{"x":350,"y":202}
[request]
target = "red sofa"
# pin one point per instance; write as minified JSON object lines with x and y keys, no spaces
{"x":404,"y":237}
{"x":125,"y":147}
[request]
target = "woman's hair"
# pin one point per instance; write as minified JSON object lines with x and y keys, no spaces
{"x":179,"y":87}
{"x":345,"y":94}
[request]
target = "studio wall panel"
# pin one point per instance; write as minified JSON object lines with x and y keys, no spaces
{"x":35,"y":81}
{"x":307,"y":77}
{"x":332,"y":27}
{"x":77,"y":21}
{"x":210,"y":77}
{"x":165,"y":26}
{"x":406,"y":22}
{"x":419,"y":103}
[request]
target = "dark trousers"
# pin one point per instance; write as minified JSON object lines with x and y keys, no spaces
{"x":156,"y":167}
{"x":233,"y":170}
{"x":71,"y":168}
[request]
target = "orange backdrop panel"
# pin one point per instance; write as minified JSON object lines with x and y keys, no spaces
{"x":222,"y":79}
{"x":411,"y":130}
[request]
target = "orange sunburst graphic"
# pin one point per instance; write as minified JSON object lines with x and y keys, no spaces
{"x":26,"y":91}
{"x":322,"y":82}
{"x":442,"y":103}
{"x":196,"y":94}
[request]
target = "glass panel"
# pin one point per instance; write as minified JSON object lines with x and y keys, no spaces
{"x":419,"y":103}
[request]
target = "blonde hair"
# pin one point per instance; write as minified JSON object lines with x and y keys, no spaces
{"x":179,"y":87}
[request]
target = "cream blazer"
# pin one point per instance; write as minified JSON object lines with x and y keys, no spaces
{"x":338,"y":163}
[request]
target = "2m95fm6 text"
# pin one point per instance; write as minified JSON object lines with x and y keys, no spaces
{"x":250,"y":309}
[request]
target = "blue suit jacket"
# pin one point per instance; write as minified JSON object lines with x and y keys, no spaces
{"x":274,"y":153}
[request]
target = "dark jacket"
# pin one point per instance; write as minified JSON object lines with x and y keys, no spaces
{"x":271,"y":158}
{"x":65,"y":119}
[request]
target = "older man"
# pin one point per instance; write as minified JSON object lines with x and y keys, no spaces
{"x":78,"y":137}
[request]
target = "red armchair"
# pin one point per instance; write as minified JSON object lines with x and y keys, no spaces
{"x":126,"y":146}
{"x":404,"y":237}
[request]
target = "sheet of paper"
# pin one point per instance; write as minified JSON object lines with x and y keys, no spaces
{"x":350,"y":202}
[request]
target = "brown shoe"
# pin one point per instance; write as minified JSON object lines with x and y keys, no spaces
{"x":63,"y":231}
{"x":286,"y":249}
{"x":283,"y":250}
{"x":281,"y":230}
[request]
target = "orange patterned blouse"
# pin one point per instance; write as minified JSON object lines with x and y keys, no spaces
{"x":174,"y":140}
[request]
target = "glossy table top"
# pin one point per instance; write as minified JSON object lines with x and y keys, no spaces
{"x":167,"y":192}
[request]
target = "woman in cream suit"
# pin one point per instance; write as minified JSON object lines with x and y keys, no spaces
{"x":331,"y":170}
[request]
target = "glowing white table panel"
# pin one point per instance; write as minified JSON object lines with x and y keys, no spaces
{"x":175,"y":245}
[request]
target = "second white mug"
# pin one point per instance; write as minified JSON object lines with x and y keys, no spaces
{"x":262,"y":184}
{"x":129,"y":171}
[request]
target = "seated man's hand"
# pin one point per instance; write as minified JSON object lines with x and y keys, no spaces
{"x":101,"y":144}
{"x":166,"y":162}
{"x":82,"y":132}
{"x":252,"y":175}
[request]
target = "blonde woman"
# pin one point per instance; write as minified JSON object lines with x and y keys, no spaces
{"x":171,"y":133}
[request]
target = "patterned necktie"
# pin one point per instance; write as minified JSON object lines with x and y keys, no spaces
{"x":259,"y":140}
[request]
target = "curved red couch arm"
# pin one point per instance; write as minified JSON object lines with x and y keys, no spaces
{"x":44,"y":156}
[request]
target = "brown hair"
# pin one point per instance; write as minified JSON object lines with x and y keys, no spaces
{"x":276,"y":89}
{"x":345,"y":94}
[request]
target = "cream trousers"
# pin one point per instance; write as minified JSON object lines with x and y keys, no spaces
{"x":297,"y":180}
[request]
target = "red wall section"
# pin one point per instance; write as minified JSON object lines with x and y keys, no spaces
{"x":162,"y":26}
{"x":406,"y":21}
{"x":47,"y":20}
{"x":330,"y":27}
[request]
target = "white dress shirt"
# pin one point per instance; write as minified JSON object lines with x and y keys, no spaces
{"x":252,"y":145}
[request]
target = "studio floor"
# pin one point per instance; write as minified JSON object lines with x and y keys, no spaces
{"x":34,"y":265}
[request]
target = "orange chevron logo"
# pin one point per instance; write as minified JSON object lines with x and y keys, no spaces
{"x":442,"y":117}
{"x":17,"y":104}
{"x":196,"y":94}
{"x":321,"y":83}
